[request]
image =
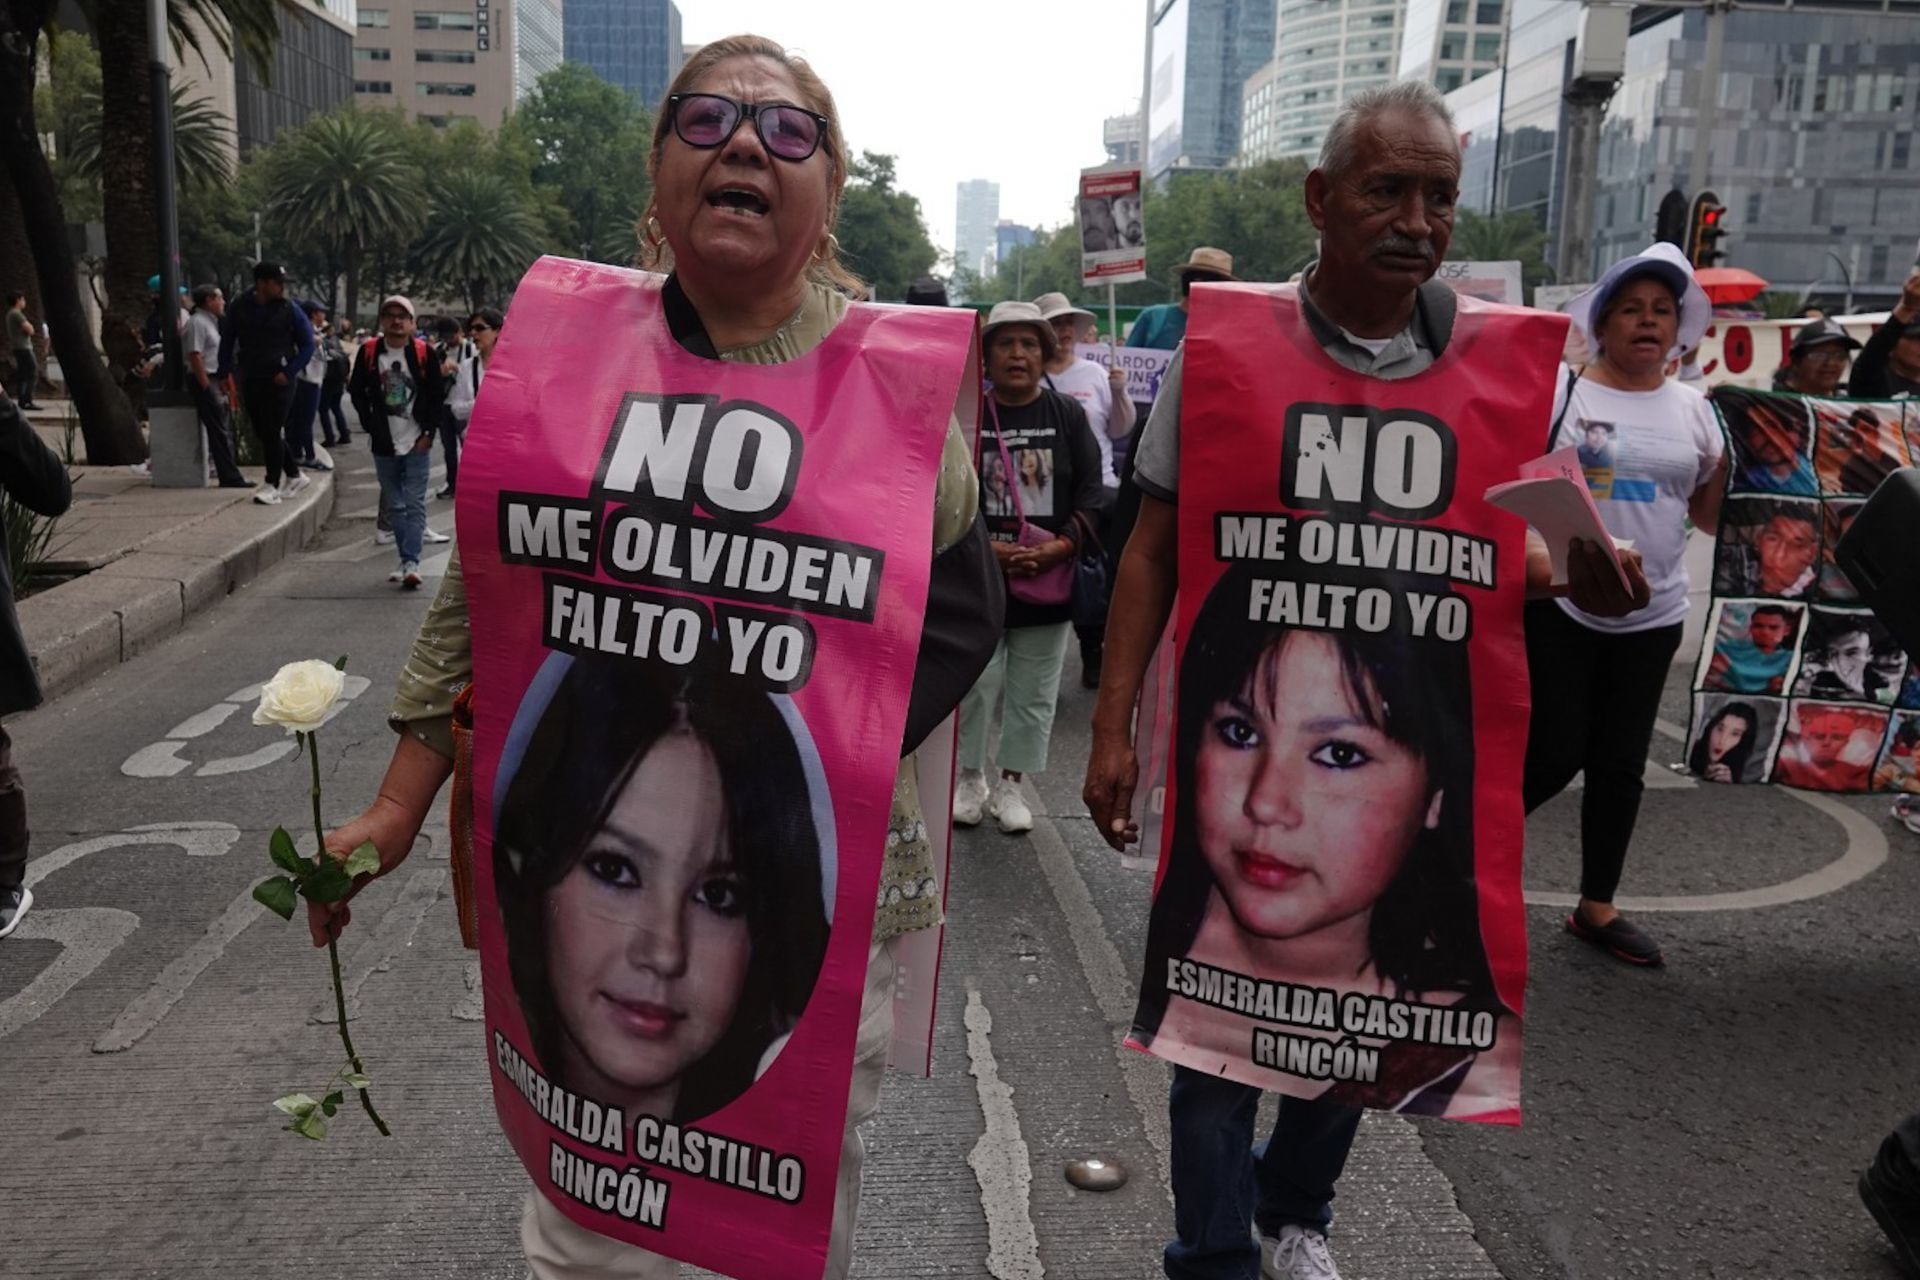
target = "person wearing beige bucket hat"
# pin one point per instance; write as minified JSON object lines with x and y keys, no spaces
{"x":1163,"y":326}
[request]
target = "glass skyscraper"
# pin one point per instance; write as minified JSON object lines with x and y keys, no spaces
{"x":632,"y":43}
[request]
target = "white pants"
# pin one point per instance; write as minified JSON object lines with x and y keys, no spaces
{"x":557,"y":1249}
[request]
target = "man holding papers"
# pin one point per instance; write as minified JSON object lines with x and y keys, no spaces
{"x":1597,"y":680}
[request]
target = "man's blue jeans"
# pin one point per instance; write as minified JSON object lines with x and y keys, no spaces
{"x":1223,"y":1185}
{"x":403,"y":493}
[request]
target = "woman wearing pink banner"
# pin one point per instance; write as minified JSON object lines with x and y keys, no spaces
{"x":1325,"y":827}
{"x":749,"y":165}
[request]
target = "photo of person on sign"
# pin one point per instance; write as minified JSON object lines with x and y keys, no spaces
{"x":1770,"y":435}
{"x":1324,"y":833}
{"x":659,"y":868}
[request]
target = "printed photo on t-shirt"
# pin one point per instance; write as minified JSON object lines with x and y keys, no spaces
{"x":996,"y":492}
{"x":1754,"y":646}
{"x":1033,"y":472}
{"x":396,"y":383}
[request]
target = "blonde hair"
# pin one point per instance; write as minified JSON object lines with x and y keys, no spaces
{"x":826,"y":267}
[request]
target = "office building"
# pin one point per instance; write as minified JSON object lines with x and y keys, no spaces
{"x":1122,"y":137}
{"x":1812,"y":146}
{"x":632,"y":43}
{"x":976,"y":218}
{"x":1008,"y":236}
{"x":1450,"y":43}
{"x":439,"y":64}
{"x":1326,"y":51}
{"x":312,"y":73}
{"x":1201,"y":54}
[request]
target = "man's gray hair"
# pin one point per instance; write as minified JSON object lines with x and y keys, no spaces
{"x":1415,"y":97}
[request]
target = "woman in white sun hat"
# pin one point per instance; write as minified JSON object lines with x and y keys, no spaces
{"x":1653,"y":458}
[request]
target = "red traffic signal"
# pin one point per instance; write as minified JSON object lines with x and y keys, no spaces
{"x":1705,"y":226}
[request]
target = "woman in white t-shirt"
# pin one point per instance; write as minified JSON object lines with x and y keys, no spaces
{"x":1102,"y":392}
{"x":1653,"y":457}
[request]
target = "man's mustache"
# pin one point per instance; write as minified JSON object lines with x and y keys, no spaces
{"x":1403,"y":245}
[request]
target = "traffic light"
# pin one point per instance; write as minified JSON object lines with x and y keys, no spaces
{"x":1705,"y":225}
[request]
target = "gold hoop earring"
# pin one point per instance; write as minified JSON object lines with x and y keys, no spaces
{"x":652,"y":232}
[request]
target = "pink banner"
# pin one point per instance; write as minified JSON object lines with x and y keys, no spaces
{"x":697,"y":592}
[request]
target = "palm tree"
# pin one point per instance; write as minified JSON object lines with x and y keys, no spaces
{"x":343,"y":179}
{"x":1505,"y":237}
{"x":202,"y":143}
{"x":481,"y":236}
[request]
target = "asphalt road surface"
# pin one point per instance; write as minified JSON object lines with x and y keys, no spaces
{"x":1707,"y":1120}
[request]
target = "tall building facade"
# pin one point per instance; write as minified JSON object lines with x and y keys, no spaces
{"x":1325,"y":51}
{"x":1812,"y":147}
{"x":1122,"y":138}
{"x":312,"y":73}
{"x":439,"y":64}
{"x":976,"y":218}
{"x":1450,"y":43}
{"x":1201,"y":53}
{"x":632,"y":43}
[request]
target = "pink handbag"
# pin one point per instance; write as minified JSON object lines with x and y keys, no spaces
{"x":1055,"y":586}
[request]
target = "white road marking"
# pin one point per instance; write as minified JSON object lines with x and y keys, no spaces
{"x":1865,"y":853}
{"x":196,"y":840}
{"x":163,"y":759}
{"x":204,"y":721}
{"x":252,"y":760}
{"x":87,"y":936}
{"x":146,"y":1012}
{"x":1000,"y":1160}
{"x":471,"y":1007}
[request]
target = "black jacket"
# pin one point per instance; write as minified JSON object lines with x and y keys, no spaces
{"x":32,"y":475}
{"x":1872,"y":378}
{"x":429,"y":397}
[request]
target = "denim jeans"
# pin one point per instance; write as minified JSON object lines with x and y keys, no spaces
{"x":300,"y":415}
{"x":1223,"y":1185}
{"x":333,"y":423}
{"x":403,"y":493}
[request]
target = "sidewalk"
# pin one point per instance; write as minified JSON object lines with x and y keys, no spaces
{"x":147,"y":559}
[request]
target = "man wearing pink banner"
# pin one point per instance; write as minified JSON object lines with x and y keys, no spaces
{"x":716,"y":578}
{"x":1321,"y":713}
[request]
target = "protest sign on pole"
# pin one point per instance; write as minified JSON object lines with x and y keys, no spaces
{"x":1797,"y":682}
{"x":1338,"y":910}
{"x":697,"y":604}
{"x":1113,"y":235}
{"x":1488,"y":281}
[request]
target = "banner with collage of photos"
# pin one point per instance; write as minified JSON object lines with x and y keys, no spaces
{"x":1798,"y":683}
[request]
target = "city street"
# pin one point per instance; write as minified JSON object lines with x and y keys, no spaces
{"x":1706,"y":1120}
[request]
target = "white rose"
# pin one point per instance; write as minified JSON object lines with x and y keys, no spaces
{"x":299,"y":696}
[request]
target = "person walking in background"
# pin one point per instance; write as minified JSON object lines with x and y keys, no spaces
{"x":399,"y":390}
{"x":306,"y":394}
{"x":483,"y":330}
{"x":265,"y":341}
{"x":26,"y":369}
{"x":1046,"y":448}
{"x":1597,"y":680}
{"x":1888,"y":368}
{"x":1817,"y":361}
{"x":333,"y":423}
{"x":32,"y":475}
{"x":202,"y":346}
{"x":1162,"y":327}
{"x":1102,"y":396}
{"x":453,"y":350}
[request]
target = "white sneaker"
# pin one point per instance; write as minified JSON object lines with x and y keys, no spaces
{"x":396,"y":575}
{"x":410,"y":576}
{"x":295,"y":485}
{"x":1299,"y":1254}
{"x":267,"y":495}
{"x":383,"y":537}
{"x":428,"y":535}
{"x":1009,"y":808}
{"x":969,"y":798}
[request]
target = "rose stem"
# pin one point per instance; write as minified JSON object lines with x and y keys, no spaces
{"x":333,"y":948}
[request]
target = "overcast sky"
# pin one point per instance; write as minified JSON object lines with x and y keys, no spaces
{"x":1008,"y":90}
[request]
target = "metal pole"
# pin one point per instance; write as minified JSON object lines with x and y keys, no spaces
{"x":257,"y":255}
{"x":1699,"y":171}
{"x":162,"y":89}
{"x":1587,"y":107}
{"x":1113,"y":322}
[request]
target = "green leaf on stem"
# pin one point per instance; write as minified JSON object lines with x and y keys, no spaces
{"x":327,"y":882}
{"x":340,"y":664}
{"x":296,"y":1104}
{"x":280,"y":849}
{"x":310,"y":1125}
{"x":363,"y":861}
{"x":331,"y":1103}
{"x":355,"y":1080}
{"x":299,"y":744}
{"x":278,"y":895}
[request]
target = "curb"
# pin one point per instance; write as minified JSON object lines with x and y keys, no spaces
{"x":81,"y":628}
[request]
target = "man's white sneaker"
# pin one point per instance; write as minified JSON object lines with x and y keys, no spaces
{"x":428,"y":535}
{"x":383,"y":537}
{"x":969,"y":798}
{"x":1009,"y":808}
{"x":267,"y":495}
{"x":295,"y":485}
{"x":1299,"y":1254}
{"x":410,"y":576}
{"x":396,"y":575}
